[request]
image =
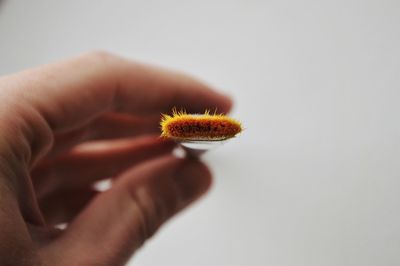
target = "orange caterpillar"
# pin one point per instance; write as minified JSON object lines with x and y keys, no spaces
{"x":183,"y":126}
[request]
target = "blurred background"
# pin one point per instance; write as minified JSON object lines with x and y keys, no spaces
{"x":315,"y":178}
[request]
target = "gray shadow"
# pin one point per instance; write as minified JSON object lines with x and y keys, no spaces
{"x":2,"y":2}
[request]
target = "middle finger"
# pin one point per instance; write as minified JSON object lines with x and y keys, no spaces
{"x":89,"y":163}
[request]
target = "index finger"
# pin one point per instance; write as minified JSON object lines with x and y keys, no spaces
{"x":72,"y":92}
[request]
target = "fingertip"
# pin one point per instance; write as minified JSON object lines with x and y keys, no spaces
{"x":226,"y":102}
{"x":167,"y":142}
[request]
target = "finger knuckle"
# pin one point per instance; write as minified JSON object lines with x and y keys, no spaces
{"x":150,"y":210}
{"x":153,"y":208}
{"x":27,"y":134}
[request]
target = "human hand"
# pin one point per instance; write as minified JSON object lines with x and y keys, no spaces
{"x":47,"y":175}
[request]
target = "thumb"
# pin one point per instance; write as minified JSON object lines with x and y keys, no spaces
{"x":120,"y":220}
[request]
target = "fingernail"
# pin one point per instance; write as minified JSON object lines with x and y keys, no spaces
{"x":193,"y":179}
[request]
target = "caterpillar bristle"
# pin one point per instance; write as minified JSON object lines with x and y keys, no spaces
{"x":183,"y":126}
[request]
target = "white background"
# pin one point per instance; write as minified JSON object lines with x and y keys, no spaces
{"x":314,"y":179}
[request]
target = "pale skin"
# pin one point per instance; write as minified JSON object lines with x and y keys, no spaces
{"x":47,"y":169}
